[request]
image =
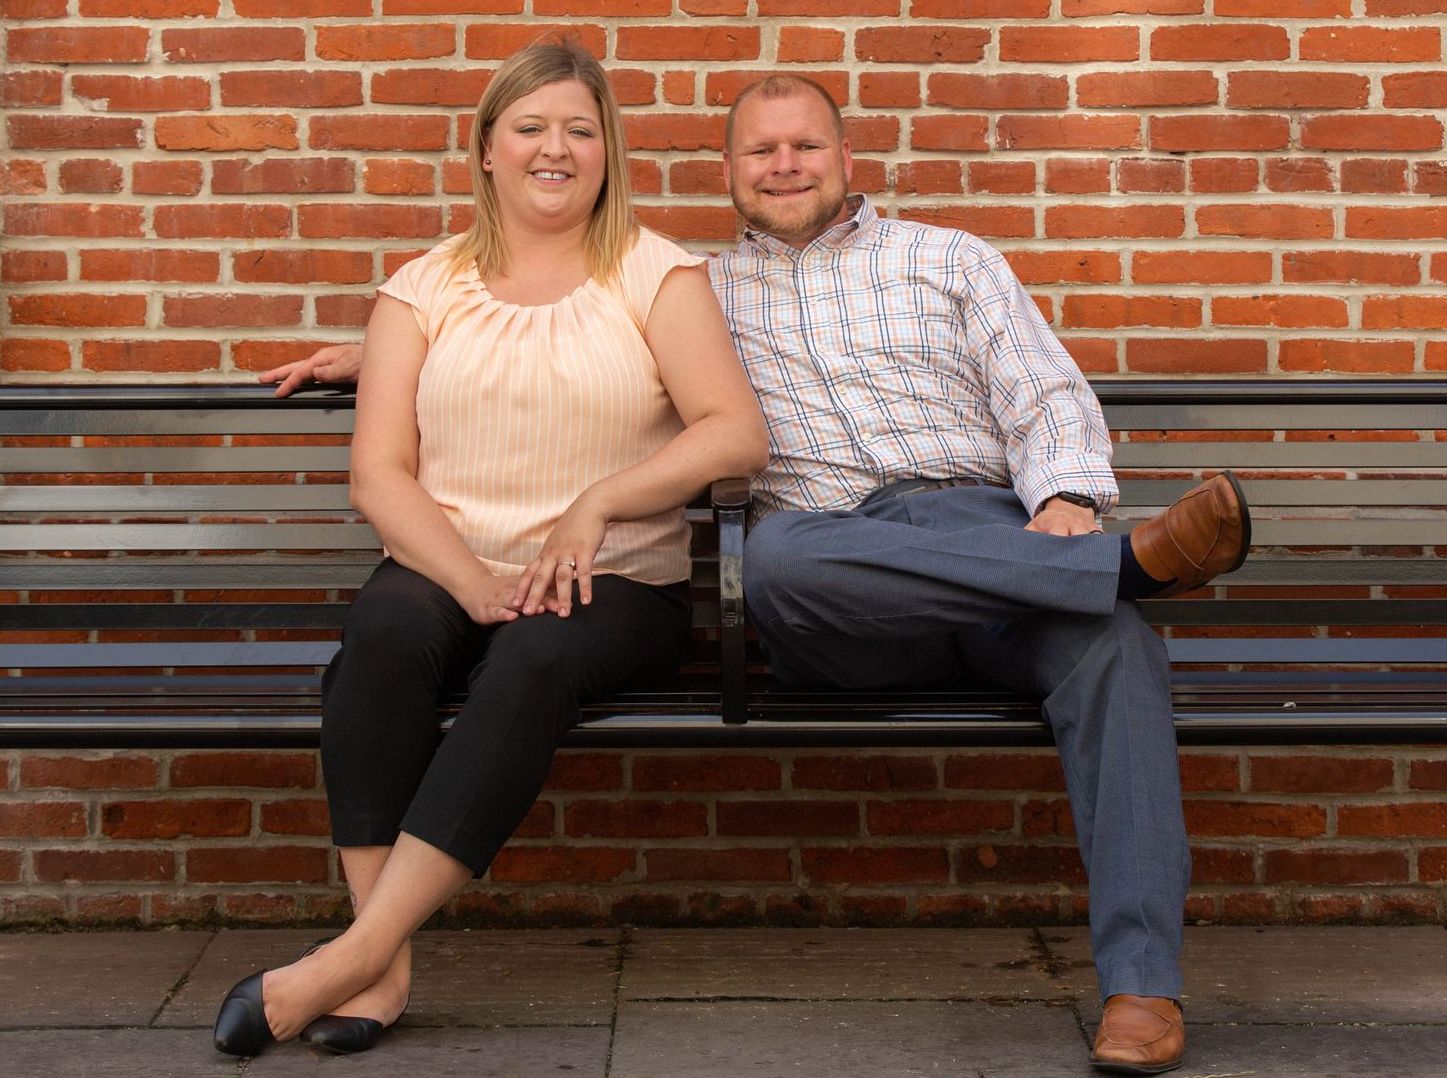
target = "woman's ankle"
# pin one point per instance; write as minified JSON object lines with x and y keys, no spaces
{"x":361,"y":956}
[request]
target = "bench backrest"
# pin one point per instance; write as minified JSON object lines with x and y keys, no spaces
{"x":185,"y":527}
{"x":190,"y":527}
{"x":1347,"y":484}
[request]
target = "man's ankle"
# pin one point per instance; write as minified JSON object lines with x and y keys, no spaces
{"x":1134,"y":582}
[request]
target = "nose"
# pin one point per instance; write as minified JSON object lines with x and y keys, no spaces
{"x":555,"y":144}
{"x":786,"y":159}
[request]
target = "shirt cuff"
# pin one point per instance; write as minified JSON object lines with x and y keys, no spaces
{"x":1087,"y":476}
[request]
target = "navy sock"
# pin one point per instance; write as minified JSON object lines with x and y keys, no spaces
{"x":1133,"y":581}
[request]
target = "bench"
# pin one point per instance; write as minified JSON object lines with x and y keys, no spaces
{"x":175,"y":563}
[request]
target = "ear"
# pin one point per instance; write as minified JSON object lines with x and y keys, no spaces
{"x":848,"y":162}
{"x":486,"y":156}
{"x":728,"y":173}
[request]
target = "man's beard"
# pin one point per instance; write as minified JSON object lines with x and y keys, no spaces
{"x":783,"y":224}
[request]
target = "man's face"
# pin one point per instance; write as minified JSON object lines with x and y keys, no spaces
{"x":787,"y":170}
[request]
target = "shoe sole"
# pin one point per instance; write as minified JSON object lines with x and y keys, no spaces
{"x":338,"y":1050}
{"x":1245,"y":544}
{"x":1134,"y":1068}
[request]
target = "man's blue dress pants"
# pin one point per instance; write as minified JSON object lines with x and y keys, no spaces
{"x":946,"y":587}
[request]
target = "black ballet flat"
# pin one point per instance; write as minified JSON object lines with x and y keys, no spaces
{"x":342,"y":1033}
{"x":241,"y":1028}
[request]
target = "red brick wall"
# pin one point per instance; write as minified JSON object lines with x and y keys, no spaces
{"x":779,"y":837}
{"x":198,"y":188}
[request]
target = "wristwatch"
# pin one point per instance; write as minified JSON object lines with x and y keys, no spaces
{"x":1085,"y":501}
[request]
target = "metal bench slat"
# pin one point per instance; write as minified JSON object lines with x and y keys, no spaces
{"x":292,"y":615}
{"x":181,"y":653}
{"x":1256,"y":650}
{"x":252,"y":572}
{"x":123,"y":459}
{"x":1146,"y":455}
{"x":249,"y":572}
{"x":1267,"y":569}
{"x":178,"y":498}
{"x":1262,"y":456}
{"x":194,"y":421}
{"x":186,"y":536}
{"x":686,"y":729}
{"x":1270,"y":415}
{"x":342,"y":535}
{"x":1194,"y":688}
{"x":1229,"y":611}
{"x":103,"y":616}
{"x":1251,"y":650}
{"x":1317,"y":532}
{"x":1313,"y":491}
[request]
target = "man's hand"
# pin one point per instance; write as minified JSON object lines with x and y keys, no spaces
{"x":1059,"y":517}
{"x":334,"y":363}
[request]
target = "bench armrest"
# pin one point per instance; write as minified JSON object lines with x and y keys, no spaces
{"x":730,"y":498}
{"x":731,"y":493}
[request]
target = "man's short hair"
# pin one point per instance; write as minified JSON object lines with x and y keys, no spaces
{"x":777,"y":86}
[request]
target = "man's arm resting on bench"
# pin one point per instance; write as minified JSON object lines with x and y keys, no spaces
{"x":331,"y":363}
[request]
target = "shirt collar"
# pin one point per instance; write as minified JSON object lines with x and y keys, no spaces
{"x":859,"y":223}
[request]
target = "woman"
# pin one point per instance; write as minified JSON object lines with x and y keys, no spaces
{"x":541,"y":395}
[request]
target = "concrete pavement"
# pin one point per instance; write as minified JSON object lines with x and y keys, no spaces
{"x":1320,"y":1002}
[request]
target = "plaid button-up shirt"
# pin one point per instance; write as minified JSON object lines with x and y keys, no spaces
{"x":888,"y":350}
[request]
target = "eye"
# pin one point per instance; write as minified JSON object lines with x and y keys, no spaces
{"x":528,"y":129}
{"x":581,"y":132}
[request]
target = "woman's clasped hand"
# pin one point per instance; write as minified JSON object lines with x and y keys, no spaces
{"x":566,"y":560}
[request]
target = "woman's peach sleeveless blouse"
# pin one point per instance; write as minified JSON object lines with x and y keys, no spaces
{"x":521,"y":408}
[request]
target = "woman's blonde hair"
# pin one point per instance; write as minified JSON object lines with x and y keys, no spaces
{"x":612,"y":228}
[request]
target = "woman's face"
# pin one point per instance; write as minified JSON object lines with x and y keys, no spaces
{"x":547,"y":157}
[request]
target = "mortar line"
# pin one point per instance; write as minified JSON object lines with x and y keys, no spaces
{"x":620,"y":957}
{"x":182,"y":981}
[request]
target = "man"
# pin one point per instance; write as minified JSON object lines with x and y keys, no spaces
{"x":930,"y":514}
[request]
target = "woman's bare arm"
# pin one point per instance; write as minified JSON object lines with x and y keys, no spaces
{"x":384,"y":470}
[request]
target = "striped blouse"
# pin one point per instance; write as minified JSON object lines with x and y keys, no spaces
{"x":520,"y":408}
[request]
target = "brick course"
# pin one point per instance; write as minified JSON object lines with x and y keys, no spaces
{"x":899,"y":836}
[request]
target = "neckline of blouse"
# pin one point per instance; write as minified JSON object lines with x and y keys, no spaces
{"x":474,"y":279}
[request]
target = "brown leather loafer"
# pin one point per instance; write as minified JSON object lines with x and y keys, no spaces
{"x":1202,"y":535}
{"x":1139,"y":1035}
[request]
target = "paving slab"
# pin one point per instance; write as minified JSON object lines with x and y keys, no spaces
{"x":474,"y":1053}
{"x":838,"y":964}
{"x":484,"y":978}
{"x":515,"y":978}
{"x":112,"y":1053}
{"x":92,"y":978}
{"x":232,"y":955}
{"x":1315,"y":1051}
{"x":825,"y":1040}
{"x":1301,"y":974}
